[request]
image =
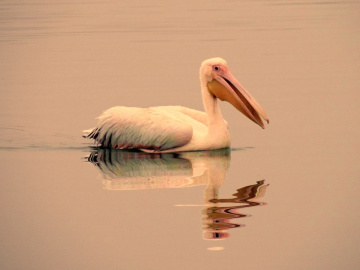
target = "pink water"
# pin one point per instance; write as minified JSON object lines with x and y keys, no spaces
{"x":63,"y":63}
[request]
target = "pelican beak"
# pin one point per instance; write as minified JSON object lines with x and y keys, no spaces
{"x":226,"y":87}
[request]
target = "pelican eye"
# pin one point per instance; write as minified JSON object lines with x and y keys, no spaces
{"x":216,"y":68}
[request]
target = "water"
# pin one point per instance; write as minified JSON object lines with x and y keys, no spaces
{"x":63,"y":63}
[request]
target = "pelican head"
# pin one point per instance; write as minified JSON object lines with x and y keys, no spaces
{"x":224,"y":86}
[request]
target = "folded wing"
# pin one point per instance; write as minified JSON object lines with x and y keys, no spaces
{"x":138,"y":128}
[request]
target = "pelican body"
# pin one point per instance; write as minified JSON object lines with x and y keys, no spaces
{"x":177,"y":128}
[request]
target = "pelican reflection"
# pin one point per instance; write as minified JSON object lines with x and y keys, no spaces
{"x":218,"y":219}
{"x":132,"y":170}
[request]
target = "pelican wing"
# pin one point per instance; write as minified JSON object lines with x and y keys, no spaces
{"x":138,"y":128}
{"x":194,"y":114}
{"x":197,"y":115}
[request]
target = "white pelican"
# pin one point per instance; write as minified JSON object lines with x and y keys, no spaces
{"x":176,"y":128}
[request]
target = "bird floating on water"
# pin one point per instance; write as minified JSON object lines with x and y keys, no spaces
{"x":177,"y":128}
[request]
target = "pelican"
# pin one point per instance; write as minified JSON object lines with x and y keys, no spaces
{"x":177,"y":128}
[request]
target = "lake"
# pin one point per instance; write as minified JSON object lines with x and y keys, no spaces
{"x":281,"y":198}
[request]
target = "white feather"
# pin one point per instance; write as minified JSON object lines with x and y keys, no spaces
{"x":141,"y":128}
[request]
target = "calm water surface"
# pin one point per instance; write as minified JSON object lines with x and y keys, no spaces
{"x":283,"y":198}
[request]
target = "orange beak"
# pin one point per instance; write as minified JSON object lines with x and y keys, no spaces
{"x":226,"y":87}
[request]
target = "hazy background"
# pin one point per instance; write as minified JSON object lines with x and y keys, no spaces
{"x":62,"y":63}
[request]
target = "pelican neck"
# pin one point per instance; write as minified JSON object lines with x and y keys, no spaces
{"x":211,"y":106}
